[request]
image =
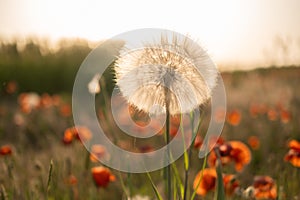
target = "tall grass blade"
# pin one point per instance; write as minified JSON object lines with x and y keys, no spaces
{"x":50,"y":176}
{"x":3,"y":195}
{"x":158,"y":196}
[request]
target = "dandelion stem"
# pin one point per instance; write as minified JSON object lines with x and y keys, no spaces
{"x":168,"y":151}
{"x":168,"y":170}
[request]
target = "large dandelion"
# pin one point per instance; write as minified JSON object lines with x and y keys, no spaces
{"x":173,"y":76}
{"x":176,"y":72}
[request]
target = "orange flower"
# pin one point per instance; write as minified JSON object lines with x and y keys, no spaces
{"x":71,"y":180}
{"x":198,"y":141}
{"x":65,"y":110}
{"x":233,"y":151}
{"x":219,"y":115}
{"x":234,"y":117}
{"x":68,"y":136}
{"x":272,"y":114}
{"x":293,"y":156}
{"x":254,"y":142}
{"x":294,"y":144}
{"x":28,"y":101}
{"x":56,"y":100}
{"x":82,"y":133}
{"x":146,"y":149}
{"x":213,"y":141}
{"x":205,"y":181}
{"x":5,"y":150}
{"x":264,"y":187}
{"x":230,"y":183}
{"x":79,"y":132}
{"x":285,"y":116}
{"x":254,"y":110}
{"x":11,"y":87}
{"x":97,"y":152}
{"x":46,"y":101}
{"x":102,"y":176}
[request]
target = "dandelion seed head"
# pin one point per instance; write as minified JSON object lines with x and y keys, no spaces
{"x":178,"y":65}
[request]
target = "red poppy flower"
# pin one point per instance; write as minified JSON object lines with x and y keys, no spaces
{"x":5,"y":150}
{"x":272,"y":114}
{"x":293,"y":156}
{"x":198,"y":141}
{"x":46,"y":101}
{"x":65,"y":110}
{"x":11,"y":87}
{"x":205,"y":181}
{"x":285,"y":116}
{"x":68,"y":136}
{"x":233,"y":151}
{"x":82,"y":133}
{"x":28,"y":102}
{"x":254,"y":142}
{"x":254,"y":110}
{"x":102,"y":176}
{"x":219,"y":115}
{"x":71,"y":180}
{"x":264,"y":187}
{"x":234,"y":117}
{"x":146,"y":149}
{"x":97,"y":152}
{"x":231,"y":184}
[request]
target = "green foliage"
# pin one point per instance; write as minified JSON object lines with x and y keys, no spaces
{"x":36,"y":68}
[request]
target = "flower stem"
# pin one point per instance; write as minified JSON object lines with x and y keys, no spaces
{"x":168,"y":170}
{"x":169,"y":181}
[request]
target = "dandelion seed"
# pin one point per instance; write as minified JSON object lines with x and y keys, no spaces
{"x":94,"y":86}
{"x":181,"y":66}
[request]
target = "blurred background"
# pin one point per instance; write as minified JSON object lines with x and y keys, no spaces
{"x":55,"y":36}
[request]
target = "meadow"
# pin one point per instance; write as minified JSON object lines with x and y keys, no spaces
{"x":42,"y":157}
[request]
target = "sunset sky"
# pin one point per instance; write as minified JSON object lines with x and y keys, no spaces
{"x":236,"y":33}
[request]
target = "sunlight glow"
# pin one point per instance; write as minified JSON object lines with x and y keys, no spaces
{"x":233,"y":31}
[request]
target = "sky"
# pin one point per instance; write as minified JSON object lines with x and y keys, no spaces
{"x":236,"y":33}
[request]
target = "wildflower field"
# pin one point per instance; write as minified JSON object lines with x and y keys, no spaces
{"x":42,"y":155}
